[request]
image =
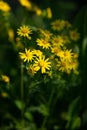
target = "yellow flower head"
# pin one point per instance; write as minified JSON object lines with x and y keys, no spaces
{"x":24,"y":31}
{"x":57,"y":41}
{"x":74,"y":35}
{"x":37,"y":10}
{"x":32,"y":70}
{"x":42,"y":63}
{"x":49,"y":13}
{"x":44,"y":43}
{"x":37,"y":52}
{"x":11,"y":34}
{"x":5,"y":78}
{"x":4,"y":6}
{"x":27,"y":56}
{"x":45,"y":34}
{"x":26,"y":3}
{"x":58,"y":25}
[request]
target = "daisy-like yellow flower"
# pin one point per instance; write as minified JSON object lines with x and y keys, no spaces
{"x":64,"y":66}
{"x":44,"y":43}
{"x":49,"y":12}
{"x":32,"y":70}
{"x":57,"y":41}
{"x":5,"y":78}
{"x":4,"y":6}
{"x":45,"y":34}
{"x":11,"y":34}
{"x":65,"y":39}
{"x":42,"y":63}
{"x":24,"y":31}
{"x":58,"y":25}
{"x":74,"y":35}
{"x":37,"y":53}
{"x":26,"y":3}
{"x":37,"y":10}
{"x":27,"y":56}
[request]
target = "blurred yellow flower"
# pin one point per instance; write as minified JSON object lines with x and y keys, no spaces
{"x":4,"y":6}
{"x":4,"y":94}
{"x":49,"y":13}
{"x":42,"y":63}
{"x":37,"y":10}
{"x":26,"y":3}
{"x":24,"y":31}
{"x":11,"y":34}
{"x":74,"y":35}
{"x":32,"y":70}
{"x":27,"y":56}
{"x":58,"y":25}
{"x":44,"y":43}
{"x":5,"y":78}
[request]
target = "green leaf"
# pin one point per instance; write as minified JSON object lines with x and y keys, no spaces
{"x":20,"y":105}
{"x":28,"y":115}
{"x":76,"y":123}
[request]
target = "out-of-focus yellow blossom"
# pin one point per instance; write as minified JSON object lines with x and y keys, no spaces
{"x":64,"y":66}
{"x":44,"y":43}
{"x":74,"y":35}
{"x":26,"y":3}
{"x":37,"y":53}
{"x":57,"y":41}
{"x":24,"y":31}
{"x":58,"y":25}
{"x":4,"y":6}
{"x":49,"y":74}
{"x":55,"y":50}
{"x":45,"y":34}
{"x":37,"y":10}
{"x":27,"y":56}
{"x":4,"y":94}
{"x":49,"y":12}
{"x":32,"y":70}
{"x":11,"y":34}
{"x":65,"y":39}
{"x":42,"y":63}
{"x":5,"y":78}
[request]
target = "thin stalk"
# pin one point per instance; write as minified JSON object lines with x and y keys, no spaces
{"x":49,"y":103}
{"x":22,"y":96}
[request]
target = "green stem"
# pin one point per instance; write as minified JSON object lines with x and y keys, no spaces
{"x":49,"y":103}
{"x":22,"y":96}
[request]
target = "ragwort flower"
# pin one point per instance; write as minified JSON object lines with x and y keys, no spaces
{"x":42,"y":63}
{"x":24,"y":31}
{"x":27,"y":56}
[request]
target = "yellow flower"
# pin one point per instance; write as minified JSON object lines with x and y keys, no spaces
{"x":5,"y":78}
{"x":42,"y":63}
{"x":32,"y":70}
{"x":4,"y":94}
{"x":64,"y":66}
{"x":37,"y":52}
{"x":49,"y":13}
{"x":37,"y":10}
{"x":4,"y":6}
{"x":11,"y":34}
{"x":58,"y":25}
{"x":24,"y":31}
{"x":57,"y":41}
{"x":74,"y":35}
{"x":44,"y":43}
{"x":26,"y":3}
{"x":65,"y":39}
{"x":45,"y":34}
{"x":27,"y":56}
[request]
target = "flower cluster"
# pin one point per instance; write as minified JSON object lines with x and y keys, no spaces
{"x":50,"y":53}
